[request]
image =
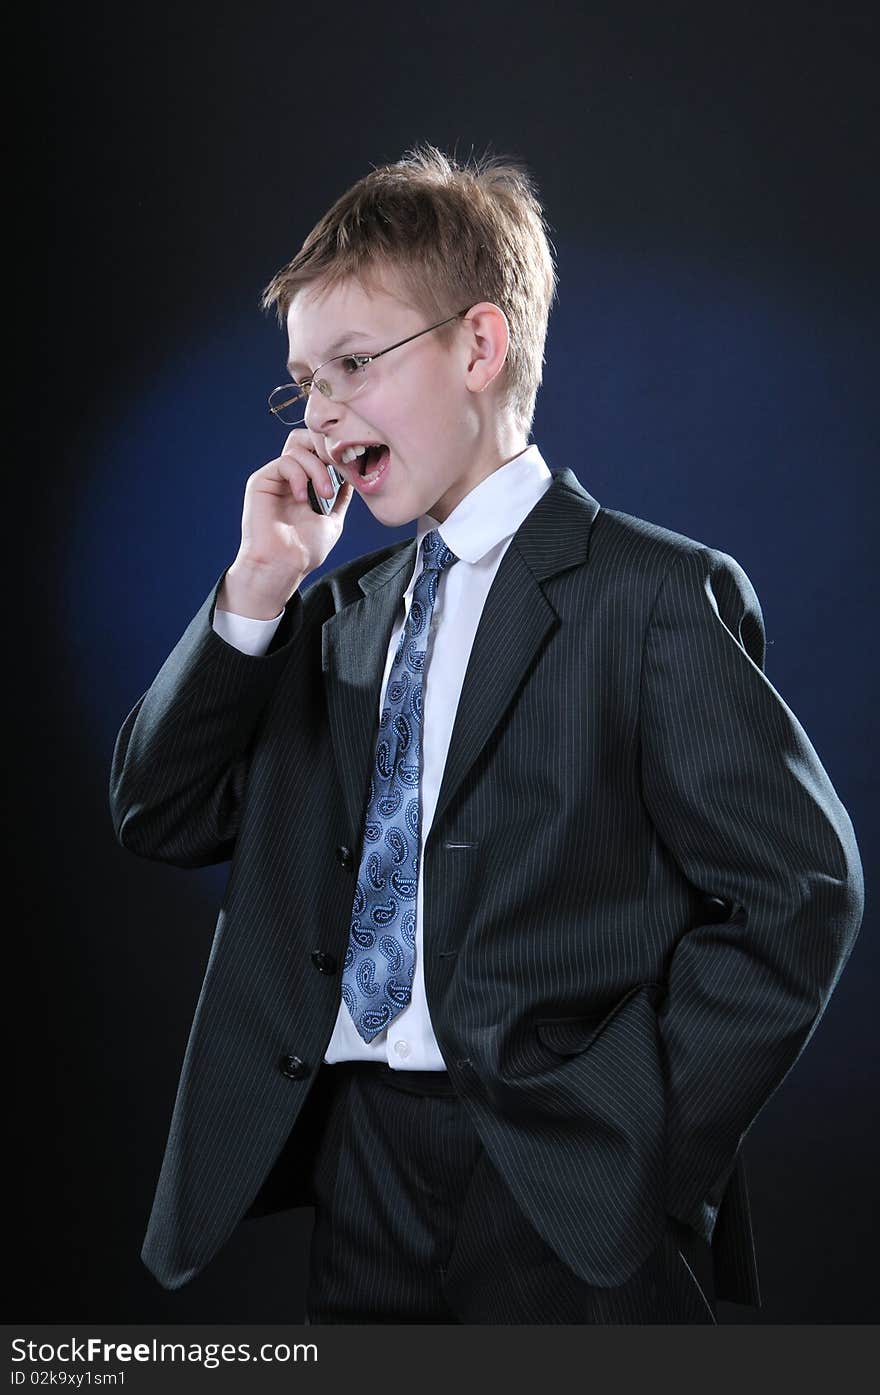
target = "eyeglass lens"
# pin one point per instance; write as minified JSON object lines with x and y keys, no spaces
{"x":337,"y":380}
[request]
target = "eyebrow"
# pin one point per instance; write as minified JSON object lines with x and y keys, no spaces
{"x":334,"y":349}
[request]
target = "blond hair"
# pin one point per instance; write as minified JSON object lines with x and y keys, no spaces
{"x":451,"y":235}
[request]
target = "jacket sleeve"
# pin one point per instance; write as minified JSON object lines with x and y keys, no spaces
{"x":181,"y":758}
{"x":739,"y":797}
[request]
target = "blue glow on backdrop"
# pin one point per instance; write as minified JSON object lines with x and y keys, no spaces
{"x":711,"y":405}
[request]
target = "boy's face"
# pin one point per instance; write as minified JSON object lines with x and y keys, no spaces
{"x":420,"y":401}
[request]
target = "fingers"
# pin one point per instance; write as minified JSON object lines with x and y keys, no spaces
{"x":306,"y":440}
{"x":300,"y":462}
{"x":343,"y":498}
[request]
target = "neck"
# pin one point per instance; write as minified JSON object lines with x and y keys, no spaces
{"x":491,"y":450}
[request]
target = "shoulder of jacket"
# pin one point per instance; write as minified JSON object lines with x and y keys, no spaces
{"x":641,"y":545}
{"x":643,"y":536}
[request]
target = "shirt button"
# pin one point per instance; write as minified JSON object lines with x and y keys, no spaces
{"x":402,"y":1048}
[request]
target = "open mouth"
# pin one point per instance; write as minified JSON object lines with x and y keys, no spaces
{"x":369,"y":461}
{"x":373,"y":463}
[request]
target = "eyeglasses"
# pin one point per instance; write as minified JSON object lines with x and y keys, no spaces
{"x":341,"y":379}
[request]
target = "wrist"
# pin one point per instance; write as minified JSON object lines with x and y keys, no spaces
{"x":250,"y":590}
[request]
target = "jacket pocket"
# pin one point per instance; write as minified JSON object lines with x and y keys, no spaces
{"x":569,"y":1036}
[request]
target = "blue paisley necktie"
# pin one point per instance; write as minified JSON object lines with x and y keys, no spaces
{"x":381,"y":957}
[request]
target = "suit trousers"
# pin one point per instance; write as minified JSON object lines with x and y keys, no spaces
{"x":413,"y":1223}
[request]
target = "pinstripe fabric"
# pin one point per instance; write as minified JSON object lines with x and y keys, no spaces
{"x":640,"y":885}
{"x":414,"y":1225}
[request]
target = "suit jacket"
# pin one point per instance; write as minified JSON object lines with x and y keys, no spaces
{"x":640,"y":885}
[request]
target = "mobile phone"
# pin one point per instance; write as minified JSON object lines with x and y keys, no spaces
{"x":319,"y":503}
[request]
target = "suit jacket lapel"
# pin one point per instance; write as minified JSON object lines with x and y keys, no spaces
{"x":516,"y":621}
{"x":355,"y":646}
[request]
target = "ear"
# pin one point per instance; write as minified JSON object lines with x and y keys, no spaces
{"x":486,"y":340}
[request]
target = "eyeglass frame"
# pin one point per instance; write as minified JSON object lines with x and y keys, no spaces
{"x":362,"y":360}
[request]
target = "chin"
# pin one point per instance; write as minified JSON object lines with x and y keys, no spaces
{"x":392,"y":515}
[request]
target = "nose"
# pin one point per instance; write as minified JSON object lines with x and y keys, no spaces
{"x":320,"y":413}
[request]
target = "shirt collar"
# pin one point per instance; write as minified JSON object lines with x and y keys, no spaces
{"x":493,"y":510}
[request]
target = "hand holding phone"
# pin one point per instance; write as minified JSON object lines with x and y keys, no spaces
{"x":284,"y":536}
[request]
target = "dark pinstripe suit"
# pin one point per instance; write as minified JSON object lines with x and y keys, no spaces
{"x":640,"y":886}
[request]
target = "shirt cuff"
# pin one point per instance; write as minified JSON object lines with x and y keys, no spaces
{"x":250,"y":636}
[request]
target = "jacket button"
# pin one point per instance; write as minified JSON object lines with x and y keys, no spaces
{"x":293,"y":1067}
{"x":324,"y":963}
{"x":344,"y":856}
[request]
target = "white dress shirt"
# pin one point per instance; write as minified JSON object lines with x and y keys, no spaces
{"x":478,"y":531}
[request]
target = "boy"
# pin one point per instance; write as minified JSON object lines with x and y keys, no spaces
{"x":498,"y":985}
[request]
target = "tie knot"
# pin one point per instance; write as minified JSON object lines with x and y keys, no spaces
{"x":436,"y":556}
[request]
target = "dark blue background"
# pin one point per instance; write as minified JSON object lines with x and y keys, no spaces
{"x":711,"y":365}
